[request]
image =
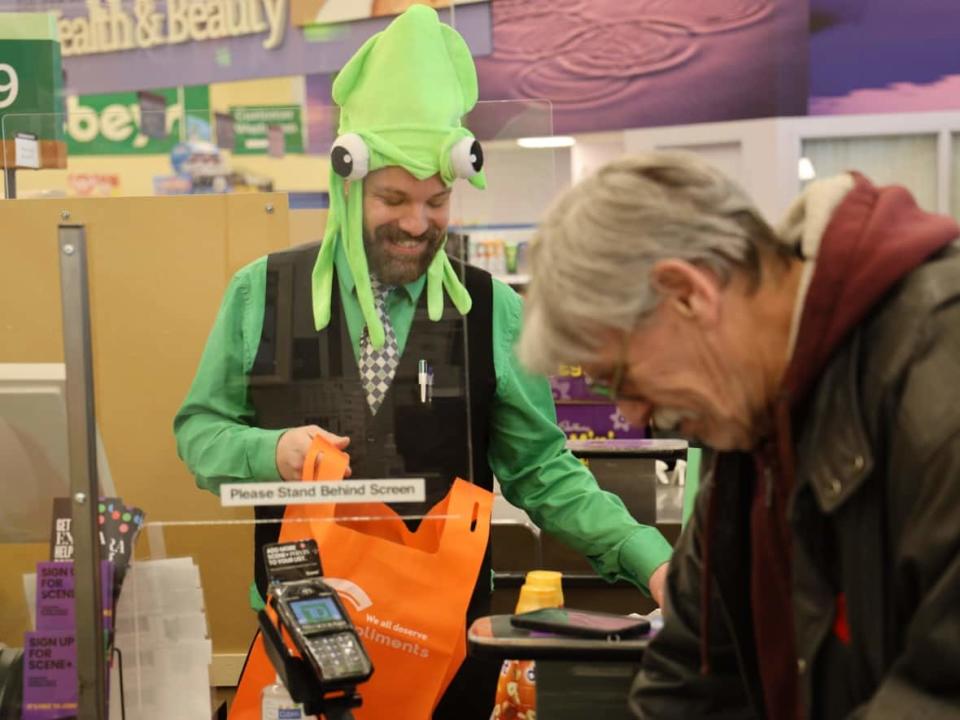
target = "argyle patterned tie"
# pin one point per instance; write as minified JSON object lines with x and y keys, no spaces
{"x":377,"y":367}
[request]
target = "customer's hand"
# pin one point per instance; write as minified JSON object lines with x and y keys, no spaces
{"x":658,"y":584}
{"x":293,"y":445}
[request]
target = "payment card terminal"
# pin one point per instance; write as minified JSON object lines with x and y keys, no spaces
{"x":320,"y":628}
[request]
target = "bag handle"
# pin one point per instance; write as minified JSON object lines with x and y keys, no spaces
{"x":333,"y":461}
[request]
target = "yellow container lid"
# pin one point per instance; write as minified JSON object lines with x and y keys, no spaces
{"x":542,"y":589}
{"x":545,"y":579}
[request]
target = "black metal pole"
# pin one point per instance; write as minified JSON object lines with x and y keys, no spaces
{"x":84,"y":488}
{"x":10,"y":183}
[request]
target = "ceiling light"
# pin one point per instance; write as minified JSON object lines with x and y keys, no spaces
{"x":548,"y":141}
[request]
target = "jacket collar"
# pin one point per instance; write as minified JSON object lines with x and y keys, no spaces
{"x":803,"y":226}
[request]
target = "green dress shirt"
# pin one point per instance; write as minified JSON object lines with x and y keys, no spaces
{"x":527,"y":451}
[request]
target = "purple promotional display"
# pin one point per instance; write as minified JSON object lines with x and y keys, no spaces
{"x":589,"y":421}
{"x":49,"y":675}
{"x":55,"y":595}
{"x":49,"y":671}
{"x":50,"y":654}
{"x":55,"y":604}
{"x":585,"y":416}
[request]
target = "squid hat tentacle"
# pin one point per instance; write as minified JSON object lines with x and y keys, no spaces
{"x":322,"y":277}
{"x":401,"y":98}
{"x":442,"y":275}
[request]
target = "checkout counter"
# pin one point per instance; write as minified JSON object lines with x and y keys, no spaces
{"x":657,"y":480}
{"x":577,"y":677}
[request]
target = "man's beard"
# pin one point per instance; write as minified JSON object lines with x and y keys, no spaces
{"x":392,"y":269}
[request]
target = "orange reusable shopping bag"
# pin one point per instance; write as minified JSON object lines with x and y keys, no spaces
{"x":406,"y":592}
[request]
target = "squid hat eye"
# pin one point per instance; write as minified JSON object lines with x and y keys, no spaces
{"x":350,"y":157}
{"x":466,"y":158}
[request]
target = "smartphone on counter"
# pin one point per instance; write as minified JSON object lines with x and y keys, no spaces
{"x":581,"y":623}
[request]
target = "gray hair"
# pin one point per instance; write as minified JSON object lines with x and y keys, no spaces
{"x":593,"y":253}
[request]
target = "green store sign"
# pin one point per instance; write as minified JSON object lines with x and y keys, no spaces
{"x":111,"y":124}
{"x":251,"y":126}
{"x":30,"y":75}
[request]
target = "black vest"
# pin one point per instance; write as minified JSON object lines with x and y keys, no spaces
{"x":302,"y":377}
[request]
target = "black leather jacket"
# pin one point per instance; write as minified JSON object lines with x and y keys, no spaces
{"x":875,"y":516}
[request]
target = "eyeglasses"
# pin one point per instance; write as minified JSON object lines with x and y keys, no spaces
{"x":610,"y":389}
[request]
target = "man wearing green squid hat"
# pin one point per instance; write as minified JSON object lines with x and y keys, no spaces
{"x":377,"y":340}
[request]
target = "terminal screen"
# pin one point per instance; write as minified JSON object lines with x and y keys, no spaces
{"x":316,"y":611}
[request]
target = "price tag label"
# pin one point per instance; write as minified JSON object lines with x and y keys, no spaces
{"x":26,"y":151}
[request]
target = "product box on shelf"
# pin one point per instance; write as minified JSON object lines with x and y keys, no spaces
{"x":589,"y":421}
{"x":499,"y":249}
{"x":582,"y":415}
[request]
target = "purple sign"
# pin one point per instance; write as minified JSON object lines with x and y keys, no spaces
{"x":55,"y":604}
{"x":55,"y":595}
{"x":608,"y":64}
{"x":120,"y":45}
{"x":589,"y":421}
{"x":869,"y":56}
{"x":49,"y":675}
{"x":50,"y":653}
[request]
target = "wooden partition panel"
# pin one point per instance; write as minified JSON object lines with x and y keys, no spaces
{"x":158,"y":268}
{"x":307,"y":226}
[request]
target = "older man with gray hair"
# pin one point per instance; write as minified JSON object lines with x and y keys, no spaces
{"x":820,"y":574}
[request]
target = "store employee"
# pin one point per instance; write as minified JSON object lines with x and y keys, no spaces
{"x":339,"y":337}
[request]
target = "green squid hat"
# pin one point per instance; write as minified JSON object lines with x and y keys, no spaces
{"x":401,"y":98}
